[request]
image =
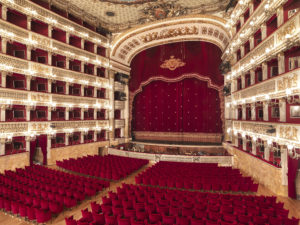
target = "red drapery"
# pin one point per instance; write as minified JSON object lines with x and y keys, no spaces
{"x":293,"y":165}
{"x":167,"y":100}
{"x":200,"y":57}
{"x":183,"y":106}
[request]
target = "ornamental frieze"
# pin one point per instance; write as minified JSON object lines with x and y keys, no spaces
{"x":103,"y":123}
{"x":169,"y":33}
{"x":14,"y":62}
{"x":289,"y":28}
{"x":257,"y":128}
{"x":40,"y":97}
{"x":263,"y":88}
{"x":39,"y":127}
{"x":13,"y":127}
{"x":73,"y":125}
{"x":236,"y":125}
{"x":288,"y":132}
{"x":287,"y":82}
{"x":13,"y":94}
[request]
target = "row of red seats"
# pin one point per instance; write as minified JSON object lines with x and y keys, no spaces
{"x":109,"y":167}
{"x":196,"y":176}
{"x":133,"y":205}
{"x":33,"y":193}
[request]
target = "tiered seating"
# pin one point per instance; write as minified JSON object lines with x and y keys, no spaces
{"x":198,"y":176}
{"x":109,"y":167}
{"x":137,"y":205}
{"x":38,"y":193}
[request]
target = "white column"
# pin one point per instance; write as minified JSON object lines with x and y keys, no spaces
{"x":252,"y":77}
{"x":49,"y":113}
{"x":281,"y":63}
{"x":3,"y":113}
{"x":95,"y":113}
{"x":235,"y":112}
{"x":266,"y":111}
{"x":2,"y":144}
{"x":126,"y":114}
{"x":251,"y":41}
{"x":50,"y":58}
{"x":95,"y":48}
{"x":82,"y":113}
{"x":253,"y":111}
{"x":48,"y":147}
{"x":263,"y":31}
{"x":280,"y":16}
{"x":242,"y":20}
{"x":82,"y":43}
{"x":267,"y":151}
{"x":95,"y":136}
{"x":67,"y":88}
{"x":282,"y":110}
{"x":251,"y":7}
{"x":28,"y":82}
{"x":236,"y":141}
{"x":81,"y":90}
{"x":95,"y":92}
{"x":112,"y":102}
{"x":234,"y":85}
{"x":27,"y":139}
{"x":67,"y":139}
{"x":284,"y":165}
{"x":82,"y":67}
{"x":49,"y":83}
{"x":242,"y":51}
{"x":67,"y":113}
{"x":67,"y":63}
{"x":264,"y":71}
{"x":244,"y":112}
{"x":244,"y":143}
{"x":243,"y":81}
{"x":68,"y":39}
{"x":253,"y":147}
{"x":3,"y":78}
{"x":4,"y":45}
{"x":29,"y":19}
{"x":4,"y":12}
{"x":28,"y":108}
{"x":81,"y":137}
{"x":28,"y":54}
{"x":50,"y":31}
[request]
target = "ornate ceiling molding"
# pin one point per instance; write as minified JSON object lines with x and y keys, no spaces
{"x":188,"y":28}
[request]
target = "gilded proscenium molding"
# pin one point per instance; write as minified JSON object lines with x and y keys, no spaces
{"x":269,"y":89}
{"x":182,"y":77}
{"x":200,"y":28}
{"x":25,"y":128}
{"x":27,"y":7}
{"x":21,"y":97}
{"x":284,"y":133}
{"x":12,"y":64}
{"x":258,"y":17}
{"x":269,"y":48}
{"x":51,"y":45}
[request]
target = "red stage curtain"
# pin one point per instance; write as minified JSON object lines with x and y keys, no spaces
{"x":183,"y":106}
{"x":200,"y":57}
{"x":293,"y":165}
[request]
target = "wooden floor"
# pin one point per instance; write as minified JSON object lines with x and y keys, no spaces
{"x":292,"y":205}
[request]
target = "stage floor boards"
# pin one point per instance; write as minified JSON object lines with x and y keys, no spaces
{"x":292,"y":205}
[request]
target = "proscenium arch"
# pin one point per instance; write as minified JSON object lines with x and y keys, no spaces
{"x":205,"y":28}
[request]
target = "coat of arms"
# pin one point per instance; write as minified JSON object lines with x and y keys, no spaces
{"x":172,"y":63}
